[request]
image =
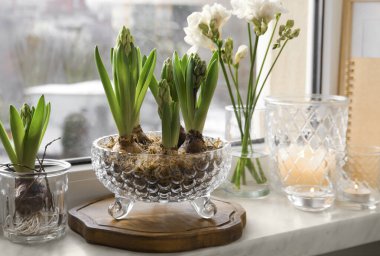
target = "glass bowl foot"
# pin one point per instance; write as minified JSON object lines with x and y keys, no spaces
{"x":120,"y":208}
{"x":204,"y":207}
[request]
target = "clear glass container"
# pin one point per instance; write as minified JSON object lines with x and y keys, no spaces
{"x":32,"y":205}
{"x":249,"y":171}
{"x":160,"y":178}
{"x":358,"y":181}
{"x":305,"y":136}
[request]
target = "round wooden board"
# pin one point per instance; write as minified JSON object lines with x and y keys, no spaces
{"x":153,"y":227}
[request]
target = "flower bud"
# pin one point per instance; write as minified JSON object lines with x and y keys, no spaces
{"x":26,"y":114}
{"x":163,"y":95}
{"x":199,"y":71}
{"x":125,"y":40}
{"x":167,"y":70}
{"x":227,"y":51}
{"x":290,"y":23}
{"x":240,"y":54}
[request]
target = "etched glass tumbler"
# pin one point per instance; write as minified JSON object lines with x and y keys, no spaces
{"x":305,"y":136}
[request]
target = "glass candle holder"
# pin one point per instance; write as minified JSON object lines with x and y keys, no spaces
{"x":303,"y":136}
{"x":358,"y":181}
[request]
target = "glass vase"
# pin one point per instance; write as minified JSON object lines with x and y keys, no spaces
{"x":32,"y":205}
{"x":305,"y":136}
{"x":248,"y":173}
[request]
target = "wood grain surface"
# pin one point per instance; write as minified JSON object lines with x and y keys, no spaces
{"x":154,"y":227}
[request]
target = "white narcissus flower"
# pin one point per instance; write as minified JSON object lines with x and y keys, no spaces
{"x":261,"y":10}
{"x":240,"y":54}
{"x":195,"y":36}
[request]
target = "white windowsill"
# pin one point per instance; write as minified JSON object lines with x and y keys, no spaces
{"x":274,"y":227}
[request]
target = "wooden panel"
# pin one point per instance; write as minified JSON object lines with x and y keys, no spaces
{"x":363,"y":91}
{"x":153,"y":227}
{"x":346,"y":41}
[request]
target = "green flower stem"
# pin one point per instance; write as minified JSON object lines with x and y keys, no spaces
{"x":243,"y":177}
{"x":229,"y":89}
{"x":263,"y":178}
{"x":251,"y":107}
{"x":239,"y":175}
{"x":236,"y":83}
{"x":252,"y":54}
{"x":270,"y":70}
{"x":260,"y":179}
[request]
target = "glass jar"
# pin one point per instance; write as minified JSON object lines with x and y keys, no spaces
{"x":32,"y":205}
{"x":358,"y":181}
{"x":249,"y":170}
{"x":305,"y":136}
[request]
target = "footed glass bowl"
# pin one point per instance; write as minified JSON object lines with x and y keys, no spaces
{"x":160,"y":178}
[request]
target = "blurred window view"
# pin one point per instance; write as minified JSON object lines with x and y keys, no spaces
{"x":47,"y":46}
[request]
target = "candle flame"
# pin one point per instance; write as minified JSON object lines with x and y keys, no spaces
{"x":312,"y":190}
{"x":356,"y":186}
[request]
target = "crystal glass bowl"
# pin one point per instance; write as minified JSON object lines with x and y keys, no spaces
{"x":160,"y":178}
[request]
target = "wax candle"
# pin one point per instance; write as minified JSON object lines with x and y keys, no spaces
{"x":357,"y":194}
{"x":301,"y":165}
{"x":310,"y":198}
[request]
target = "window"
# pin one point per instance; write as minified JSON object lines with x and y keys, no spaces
{"x":47,"y":46}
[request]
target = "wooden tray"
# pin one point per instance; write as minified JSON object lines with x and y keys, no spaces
{"x":153,"y":227}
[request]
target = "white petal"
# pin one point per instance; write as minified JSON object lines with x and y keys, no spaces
{"x":192,"y":49}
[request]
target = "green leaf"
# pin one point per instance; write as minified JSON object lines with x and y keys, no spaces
{"x":175,"y":125}
{"x":18,"y":132}
{"x":206,"y":95}
{"x":32,"y":136}
{"x":115,"y":80}
{"x":184,"y":62}
{"x":166,"y":127}
{"x":140,"y":59}
{"x":145,"y":80}
{"x":179,"y":82}
{"x":190,"y":91}
{"x":7,"y":145}
{"x":46,"y":122}
{"x":153,"y":86}
{"x":123,"y":77}
{"x":112,"y":102}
